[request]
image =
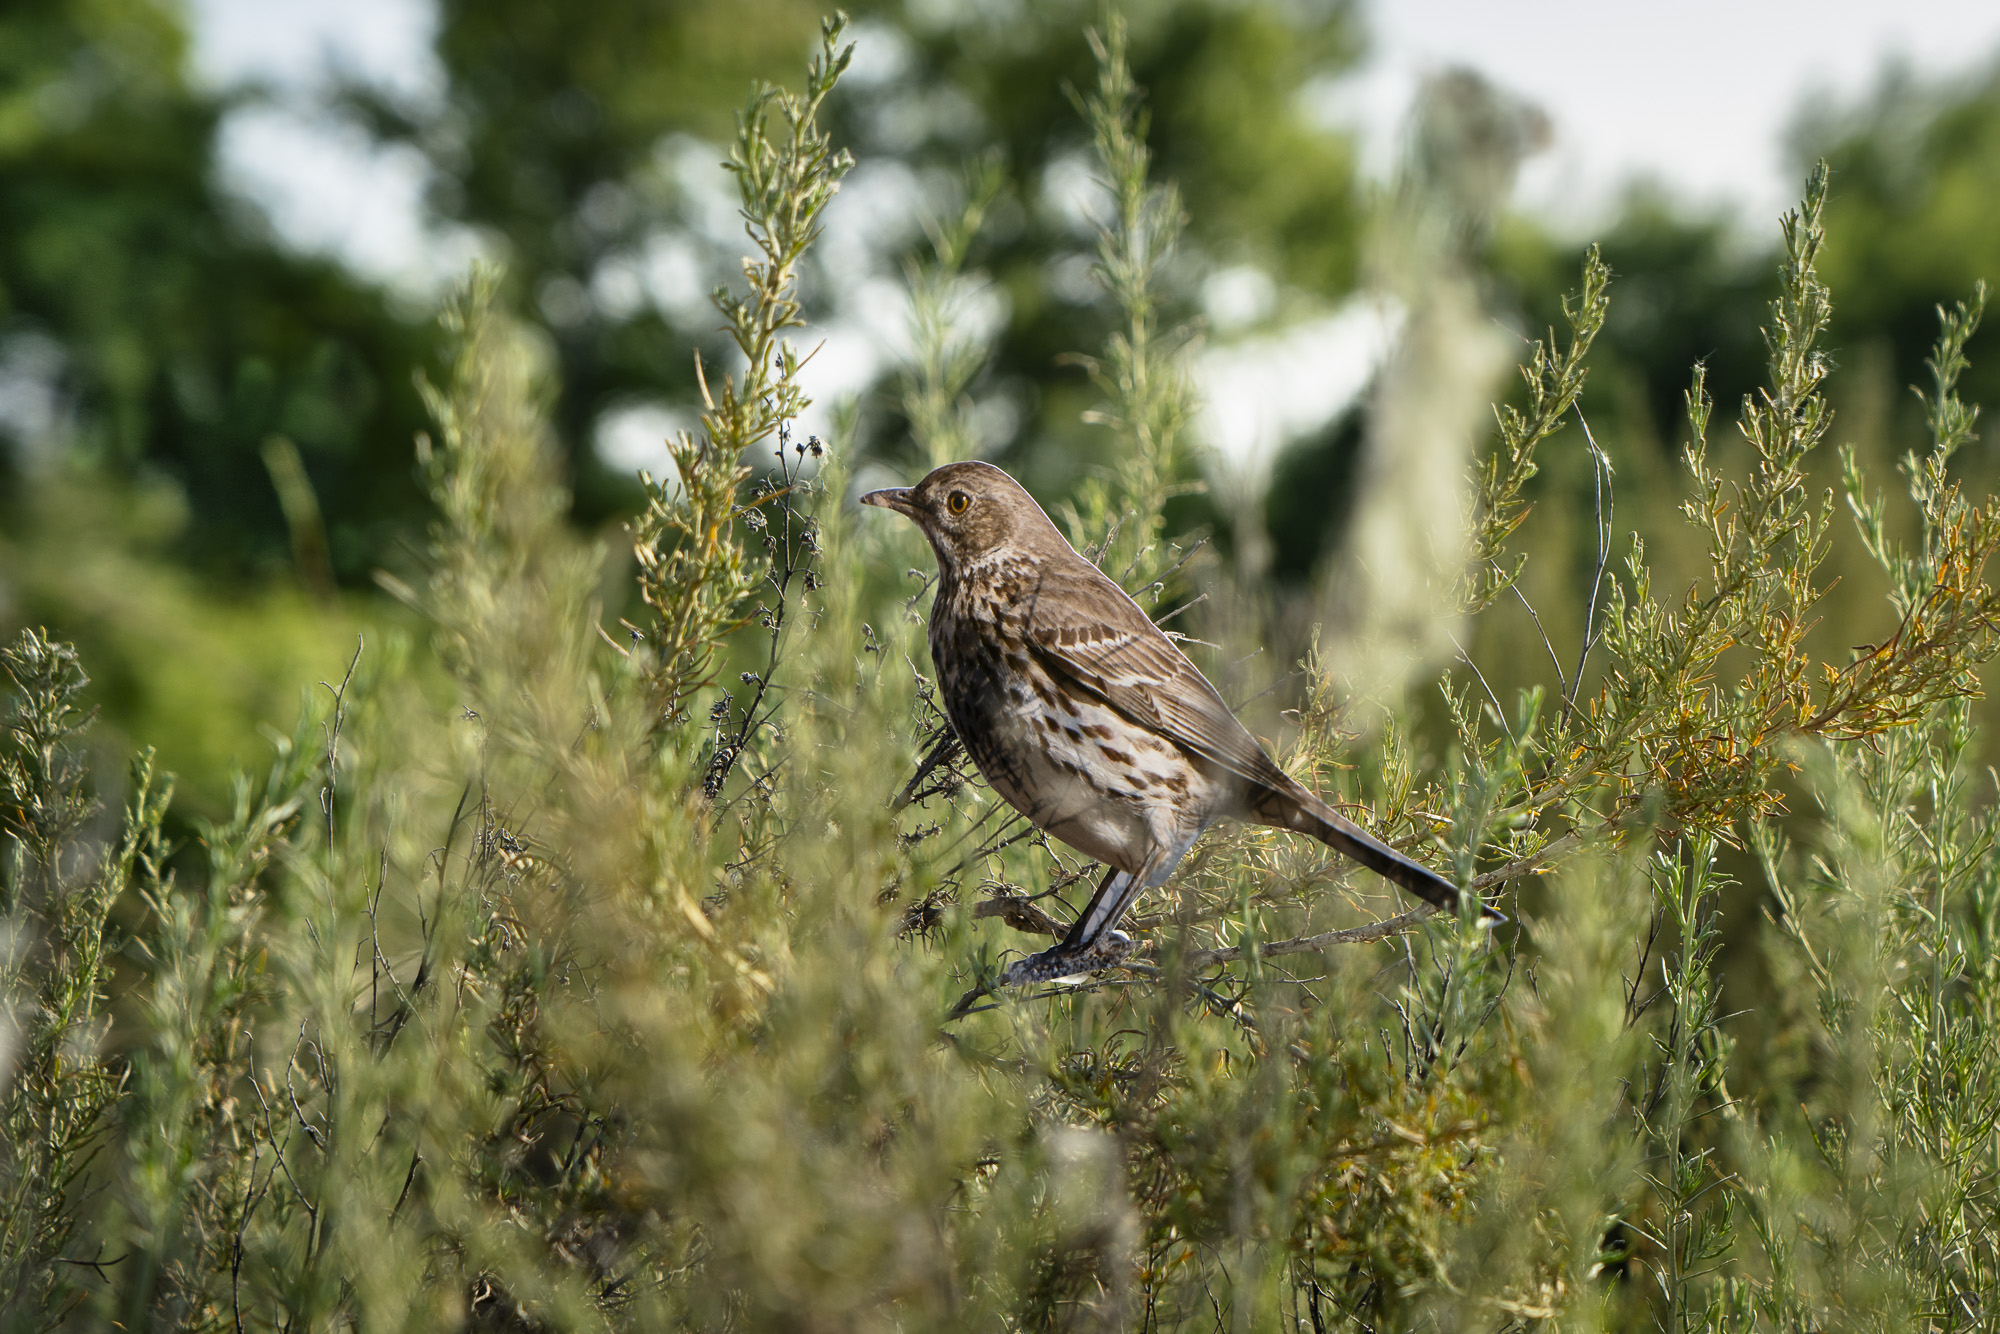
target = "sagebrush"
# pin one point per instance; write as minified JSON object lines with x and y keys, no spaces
{"x":614,"y":986}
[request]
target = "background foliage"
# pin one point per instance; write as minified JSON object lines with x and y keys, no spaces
{"x":571,"y":960}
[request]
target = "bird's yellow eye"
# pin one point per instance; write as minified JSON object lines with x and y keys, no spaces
{"x":957,"y":501}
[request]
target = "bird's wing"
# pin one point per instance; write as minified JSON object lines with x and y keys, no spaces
{"x":1087,"y":631}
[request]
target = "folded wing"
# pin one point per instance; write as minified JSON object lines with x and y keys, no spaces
{"x":1098,"y":639}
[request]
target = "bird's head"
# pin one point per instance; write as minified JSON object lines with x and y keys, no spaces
{"x":968,"y":510}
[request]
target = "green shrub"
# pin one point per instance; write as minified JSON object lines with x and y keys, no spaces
{"x":617,"y":987}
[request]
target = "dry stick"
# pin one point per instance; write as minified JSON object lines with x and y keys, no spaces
{"x":1353,"y":935}
{"x":1223,"y":1005}
{"x":1001,"y":839}
{"x":1237,"y":706}
{"x":778,"y":575}
{"x":1159,"y":583}
{"x":945,"y":750}
{"x":1382,"y":930}
{"x":1021,"y":914}
{"x":252,"y":1197}
{"x":1193,"y":601}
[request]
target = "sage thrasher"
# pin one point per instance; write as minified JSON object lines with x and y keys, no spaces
{"x":1087,"y":719}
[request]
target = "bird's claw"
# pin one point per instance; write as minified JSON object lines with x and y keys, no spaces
{"x":1062,"y":964}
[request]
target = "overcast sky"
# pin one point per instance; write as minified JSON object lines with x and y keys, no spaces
{"x":1698,"y":94}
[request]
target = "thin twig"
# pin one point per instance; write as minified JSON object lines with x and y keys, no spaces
{"x":1353,"y":935}
{"x":944,"y":751}
{"x":1562,"y":681}
{"x":1491,"y":698}
{"x":1601,"y":471}
{"x":1193,"y":601}
{"x":1382,"y":930}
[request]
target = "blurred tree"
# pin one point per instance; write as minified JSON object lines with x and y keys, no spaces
{"x":173,"y":332}
{"x":568,"y":134}
{"x":158,"y":323}
{"x":1689,"y":287}
{"x":1916,"y":179}
{"x":178,"y":334}
{"x":1917,"y":184}
{"x":152,"y":326}
{"x":582,"y":137}
{"x":159,"y":341}
{"x":1311,"y":497}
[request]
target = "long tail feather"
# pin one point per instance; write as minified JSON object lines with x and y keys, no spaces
{"x":1307,"y":814}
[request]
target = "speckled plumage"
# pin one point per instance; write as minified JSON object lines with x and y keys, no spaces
{"x":1086,"y":718}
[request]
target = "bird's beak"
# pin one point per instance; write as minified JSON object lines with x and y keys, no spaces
{"x":896,"y":498}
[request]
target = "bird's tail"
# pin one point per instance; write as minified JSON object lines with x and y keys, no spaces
{"x":1301,"y":811}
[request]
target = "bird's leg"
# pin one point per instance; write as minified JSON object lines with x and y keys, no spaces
{"x":1094,"y":941}
{"x":1080,"y":953}
{"x":1099,"y":918}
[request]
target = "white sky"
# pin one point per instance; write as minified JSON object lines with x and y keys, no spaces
{"x":1698,"y":94}
{"x":294,"y":42}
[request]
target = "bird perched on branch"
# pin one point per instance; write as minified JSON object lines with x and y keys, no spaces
{"x":1087,"y":719}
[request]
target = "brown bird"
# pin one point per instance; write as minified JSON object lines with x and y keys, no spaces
{"x":1087,"y":719}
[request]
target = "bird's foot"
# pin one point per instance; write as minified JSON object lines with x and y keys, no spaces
{"x":1061,"y":965}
